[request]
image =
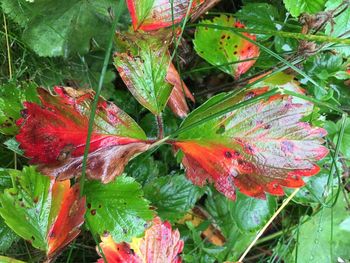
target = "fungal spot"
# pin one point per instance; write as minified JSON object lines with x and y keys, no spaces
{"x":250,"y":95}
{"x":89,"y":205}
{"x":36,"y":199}
{"x":33,"y":238}
{"x":223,"y":36}
{"x":105,"y":233}
{"x":235,"y":53}
{"x":125,"y":231}
{"x":221,"y":129}
{"x":93,"y":212}
{"x":228,"y":154}
{"x":236,"y":46}
{"x":99,"y":206}
{"x":267,"y":126}
{"x":24,"y":113}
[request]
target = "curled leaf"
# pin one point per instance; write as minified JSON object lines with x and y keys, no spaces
{"x":177,"y":100}
{"x":160,"y":244}
{"x":150,"y":15}
{"x":54,"y":135}
{"x":256,"y":148}
{"x":223,"y":48}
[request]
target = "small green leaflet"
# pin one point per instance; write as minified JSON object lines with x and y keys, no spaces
{"x":142,"y":61}
{"x":117,"y":208}
{"x":12,"y":95}
{"x":172,"y":195}
{"x":297,"y":7}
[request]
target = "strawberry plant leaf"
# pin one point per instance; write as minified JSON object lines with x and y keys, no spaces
{"x":9,"y":260}
{"x":220,"y":47}
{"x":257,"y":148}
{"x":35,"y":210}
{"x":12,"y":96}
{"x":54,"y":135}
{"x":7,"y":236}
{"x":61,"y":28}
{"x":150,"y":15}
{"x":172,"y":195}
{"x":117,"y":208}
{"x":143,"y":66}
{"x":177,"y":100}
{"x":297,"y":7}
{"x":315,"y":235}
{"x":160,"y":244}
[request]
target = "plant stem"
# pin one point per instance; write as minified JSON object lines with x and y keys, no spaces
{"x":160,"y":126}
{"x":284,"y":204}
{"x":120,"y":9}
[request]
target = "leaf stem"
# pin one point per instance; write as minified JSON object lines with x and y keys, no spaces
{"x":160,"y":126}
{"x":284,"y":204}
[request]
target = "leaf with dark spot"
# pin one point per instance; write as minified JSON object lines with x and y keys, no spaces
{"x":54,"y":135}
{"x":250,"y":157}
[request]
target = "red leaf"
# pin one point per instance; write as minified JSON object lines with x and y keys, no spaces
{"x":69,"y":218}
{"x":160,"y":244}
{"x":151,"y":15}
{"x":177,"y":101}
{"x":53,"y":135}
{"x":258,"y":148}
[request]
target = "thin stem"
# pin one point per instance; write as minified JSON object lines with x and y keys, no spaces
{"x":120,"y":9}
{"x":284,"y":204}
{"x":7,"y":47}
{"x":160,"y":126}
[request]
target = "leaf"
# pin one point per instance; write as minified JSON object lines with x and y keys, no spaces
{"x":160,"y":244}
{"x":53,"y":135}
{"x":117,"y":208}
{"x":143,"y":66}
{"x":261,"y":16}
{"x":316,"y":189}
{"x":250,"y":214}
{"x":7,"y":237}
{"x":177,"y":100}
{"x":150,"y":15}
{"x":219,"y":47}
{"x":172,"y":195}
{"x":257,"y":148}
{"x":62,"y":28}
{"x":297,"y":7}
{"x":35,"y":210}
{"x":314,"y":242}
{"x":12,"y":96}
{"x":9,"y":260}
{"x":334,"y":130}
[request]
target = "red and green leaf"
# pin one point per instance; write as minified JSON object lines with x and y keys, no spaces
{"x":150,"y":15}
{"x":143,"y":67}
{"x":160,"y":244}
{"x":46,"y":213}
{"x":225,"y":49}
{"x":177,"y":101}
{"x":259,"y":148}
{"x":54,"y":134}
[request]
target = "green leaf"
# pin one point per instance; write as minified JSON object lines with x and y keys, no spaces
{"x":7,"y":236}
{"x":61,"y":28}
{"x":26,"y":208}
{"x":12,"y":96}
{"x":296,"y":7}
{"x":333,"y":131}
{"x":9,"y":260}
{"x":225,"y":48}
{"x":117,"y":208}
{"x":260,"y":16}
{"x":222,"y":211}
{"x":172,"y":195}
{"x":314,"y":242}
{"x":250,"y":214}
{"x":143,"y":66}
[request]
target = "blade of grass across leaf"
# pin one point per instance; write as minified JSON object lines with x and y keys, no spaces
{"x":120,"y":10}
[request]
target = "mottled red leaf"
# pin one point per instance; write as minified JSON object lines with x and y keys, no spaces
{"x":257,"y":148}
{"x":150,"y":15}
{"x":68,"y":219}
{"x":54,"y":134}
{"x":160,"y":244}
{"x":177,"y":100}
